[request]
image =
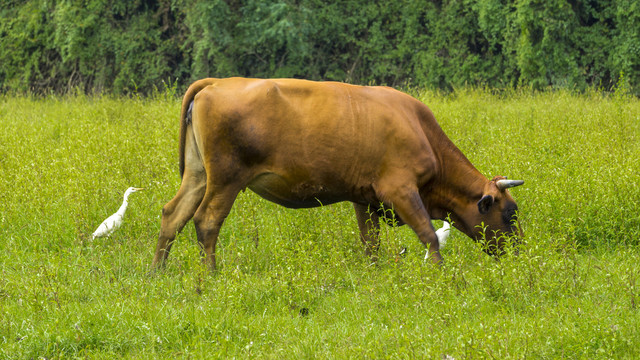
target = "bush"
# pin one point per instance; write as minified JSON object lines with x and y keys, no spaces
{"x":135,"y":46}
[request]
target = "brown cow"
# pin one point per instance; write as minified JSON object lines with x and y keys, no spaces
{"x":304,"y":144}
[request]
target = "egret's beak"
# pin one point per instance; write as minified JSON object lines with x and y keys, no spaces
{"x":138,"y":189}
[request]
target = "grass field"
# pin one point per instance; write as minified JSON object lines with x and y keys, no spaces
{"x":296,"y":283}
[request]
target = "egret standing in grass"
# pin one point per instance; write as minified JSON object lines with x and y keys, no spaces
{"x":114,"y":221}
{"x":442,"y":234}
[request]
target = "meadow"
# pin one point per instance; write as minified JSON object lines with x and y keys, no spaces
{"x":296,"y":283}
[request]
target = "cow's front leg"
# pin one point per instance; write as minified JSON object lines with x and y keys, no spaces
{"x":369,"y":225}
{"x":406,"y":201}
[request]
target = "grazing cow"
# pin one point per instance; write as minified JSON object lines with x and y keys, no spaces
{"x":303,"y":144}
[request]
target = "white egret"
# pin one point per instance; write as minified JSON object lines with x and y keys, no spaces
{"x":443,"y":235}
{"x":114,"y":221}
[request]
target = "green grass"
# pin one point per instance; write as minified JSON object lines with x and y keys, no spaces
{"x":296,"y":283}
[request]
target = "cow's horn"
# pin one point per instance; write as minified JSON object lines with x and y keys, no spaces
{"x":505,"y":184}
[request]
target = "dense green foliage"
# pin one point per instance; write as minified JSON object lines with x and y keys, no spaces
{"x":296,"y":283}
{"x":126,"y":46}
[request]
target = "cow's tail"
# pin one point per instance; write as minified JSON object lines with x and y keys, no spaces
{"x":185,"y":114}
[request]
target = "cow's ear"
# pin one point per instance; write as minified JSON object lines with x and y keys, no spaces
{"x":485,"y":204}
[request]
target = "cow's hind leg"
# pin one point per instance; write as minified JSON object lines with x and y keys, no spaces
{"x":369,"y":225}
{"x":209,"y":218}
{"x":406,"y":201}
{"x":176,"y":213}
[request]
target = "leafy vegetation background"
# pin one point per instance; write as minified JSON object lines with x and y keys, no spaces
{"x":124,"y":46}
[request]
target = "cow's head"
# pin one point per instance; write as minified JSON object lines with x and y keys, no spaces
{"x":496,"y":216}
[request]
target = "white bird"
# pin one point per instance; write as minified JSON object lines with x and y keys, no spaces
{"x":114,"y":221}
{"x":443,"y":235}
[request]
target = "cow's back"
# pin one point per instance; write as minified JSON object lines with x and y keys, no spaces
{"x":303,"y":139}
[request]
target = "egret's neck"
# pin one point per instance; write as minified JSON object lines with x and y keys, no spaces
{"x":124,"y":205}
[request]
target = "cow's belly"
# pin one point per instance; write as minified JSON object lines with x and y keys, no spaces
{"x":303,"y":194}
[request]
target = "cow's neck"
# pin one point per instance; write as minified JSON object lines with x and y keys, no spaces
{"x":456,"y":191}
